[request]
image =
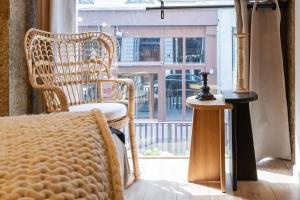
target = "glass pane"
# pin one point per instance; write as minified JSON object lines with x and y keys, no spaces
{"x":146,"y":94}
{"x":173,"y":94}
{"x":127,"y":49}
{"x":149,"y":49}
{"x":193,"y":83}
{"x":139,"y":49}
{"x":195,"y":50}
{"x":173,"y":50}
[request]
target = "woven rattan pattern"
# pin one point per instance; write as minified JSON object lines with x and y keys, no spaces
{"x":73,"y":69}
{"x":58,"y":156}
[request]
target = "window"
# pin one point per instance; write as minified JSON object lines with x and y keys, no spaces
{"x":173,"y":50}
{"x":164,"y":58}
{"x":193,"y":84}
{"x":146,"y":94}
{"x":139,"y":49}
{"x":92,"y":50}
{"x":173,"y":94}
{"x":194,"y":50}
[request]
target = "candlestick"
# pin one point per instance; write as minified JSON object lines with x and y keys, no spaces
{"x":204,"y":94}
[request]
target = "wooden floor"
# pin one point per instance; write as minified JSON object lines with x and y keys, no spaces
{"x":164,"y":179}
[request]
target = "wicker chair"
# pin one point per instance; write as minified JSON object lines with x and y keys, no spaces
{"x":72,"y":71}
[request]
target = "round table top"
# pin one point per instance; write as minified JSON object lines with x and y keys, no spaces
{"x":232,"y":97}
{"x":217,"y":104}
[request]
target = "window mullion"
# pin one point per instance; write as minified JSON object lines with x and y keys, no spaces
{"x":184,"y":49}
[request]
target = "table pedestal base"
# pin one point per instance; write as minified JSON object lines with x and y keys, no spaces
{"x":207,"y":156}
{"x":243,"y":155}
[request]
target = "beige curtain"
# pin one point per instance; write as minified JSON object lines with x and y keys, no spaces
{"x":269,"y":114}
{"x":264,"y":74}
{"x":58,"y":16}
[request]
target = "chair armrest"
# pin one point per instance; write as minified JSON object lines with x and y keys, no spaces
{"x":63,"y":103}
{"x":130,"y":89}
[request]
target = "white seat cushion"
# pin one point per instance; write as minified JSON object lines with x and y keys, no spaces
{"x":112,"y":111}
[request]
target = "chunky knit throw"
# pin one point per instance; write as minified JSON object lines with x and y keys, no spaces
{"x":58,"y":156}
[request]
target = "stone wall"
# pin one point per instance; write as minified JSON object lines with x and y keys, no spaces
{"x":4,"y":54}
{"x":19,"y":88}
{"x":15,"y":91}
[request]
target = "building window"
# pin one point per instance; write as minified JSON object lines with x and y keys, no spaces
{"x":146,"y":94}
{"x":92,"y":50}
{"x":173,"y":50}
{"x":193,"y":84}
{"x":195,"y":50}
{"x":173,"y":94}
{"x":139,"y":49}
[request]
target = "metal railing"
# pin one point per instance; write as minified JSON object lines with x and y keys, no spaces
{"x":162,"y":138}
{"x":166,"y":139}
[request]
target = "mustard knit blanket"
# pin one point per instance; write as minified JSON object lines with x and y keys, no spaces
{"x":58,"y":156}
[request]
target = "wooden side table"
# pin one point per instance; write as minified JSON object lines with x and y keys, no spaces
{"x":207,"y":156}
{"x":243,"y":154}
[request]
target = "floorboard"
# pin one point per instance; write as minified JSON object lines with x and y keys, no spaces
{"x":166,"y":179}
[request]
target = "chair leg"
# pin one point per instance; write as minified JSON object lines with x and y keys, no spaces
{"x":134,"y":153}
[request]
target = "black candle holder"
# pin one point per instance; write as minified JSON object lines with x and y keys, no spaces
{"x":204,"y":94}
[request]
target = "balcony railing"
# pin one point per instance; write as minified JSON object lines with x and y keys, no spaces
{"x":166,"y":139}
{"x":162,"y":139}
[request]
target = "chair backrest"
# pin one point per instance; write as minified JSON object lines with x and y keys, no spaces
{"x":72,"y":62}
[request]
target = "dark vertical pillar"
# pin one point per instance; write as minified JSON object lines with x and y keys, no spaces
{"x":234,"y":151}
{"x":246,"y":162}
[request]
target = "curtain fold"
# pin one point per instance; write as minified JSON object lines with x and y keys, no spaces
{"x":58,"y":16}
{"x":264,"y":74}
{"x":269,"y":114}
{"x":63,"y":16}
{"x":43,"y":14}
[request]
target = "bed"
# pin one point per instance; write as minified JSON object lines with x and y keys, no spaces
{"x":61,"y":156}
